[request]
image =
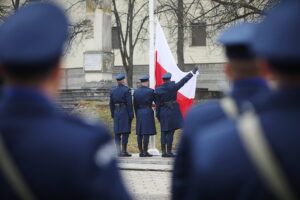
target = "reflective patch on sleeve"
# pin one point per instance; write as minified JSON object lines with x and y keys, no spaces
{"x":105,"y":154}
{"x":229,"y":107}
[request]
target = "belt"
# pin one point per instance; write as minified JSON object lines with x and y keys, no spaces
{"x":142,"y":107}
{"x":119,"y":105}
{"x":168,"y":104}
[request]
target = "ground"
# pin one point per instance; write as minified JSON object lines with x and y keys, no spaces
{"x":147,"y":185}
{"x":147,"y":178}
{"x":94,"y":110}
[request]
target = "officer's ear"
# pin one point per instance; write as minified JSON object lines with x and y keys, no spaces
{"x":56,"y":72}
{"x":1,"y":75}
{"x":265,"y":69}
{"x":228,"y":71}
{"x":54,"y":79}
{"x":1,"y":70}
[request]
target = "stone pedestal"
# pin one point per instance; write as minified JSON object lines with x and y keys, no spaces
{"x":98,"y":56}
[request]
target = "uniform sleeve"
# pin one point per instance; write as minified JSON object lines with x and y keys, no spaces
{"x":154,"y":97}
{"x":129,"y":104}
{"x":157,"y":107}
{"x":135,"y":106}
{"x":181,"y":177}
{"x":104,"y":180}
{"x":111,"y":105}
{"x":183,"y":81}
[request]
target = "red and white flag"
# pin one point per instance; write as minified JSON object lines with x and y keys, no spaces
{"x":165,"y":62}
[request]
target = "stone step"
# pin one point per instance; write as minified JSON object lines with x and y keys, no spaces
{"x":83,"y":98}
{"x":83,"y":95}
{"x":145,"y":167}
{"x":68,"y":99}
{"x":155,"y":163}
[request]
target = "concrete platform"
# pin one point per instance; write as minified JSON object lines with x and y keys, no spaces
{"x":155,"y":163}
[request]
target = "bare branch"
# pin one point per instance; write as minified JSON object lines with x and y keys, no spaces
{"x":240,"y":4}
{"x":74,"y":4}
{"x":139,"y":31}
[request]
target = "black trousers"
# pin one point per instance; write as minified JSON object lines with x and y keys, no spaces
{"x":143,"y":140}
{"x":167,"y":138}
{"x":124,"y":138}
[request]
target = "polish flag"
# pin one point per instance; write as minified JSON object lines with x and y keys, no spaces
{"x":165,"y":62}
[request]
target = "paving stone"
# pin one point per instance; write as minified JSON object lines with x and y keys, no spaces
{"x":147,"y":185}
{"x":145,"y":167}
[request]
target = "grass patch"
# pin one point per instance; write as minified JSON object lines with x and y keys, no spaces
{"x":102,"y":109}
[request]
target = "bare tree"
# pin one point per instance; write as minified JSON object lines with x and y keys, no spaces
{"x":177,"y":15}
{"x":215,"y":14}
{"x":224,"y":12}
{"x":78,"y":29}
{"x":131,"y":23}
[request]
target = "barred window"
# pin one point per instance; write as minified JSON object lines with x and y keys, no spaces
{"x":115,"y":42}
{"x":198,"y":34}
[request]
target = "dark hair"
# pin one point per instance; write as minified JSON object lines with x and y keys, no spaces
{"x":238,"y":52}
{"x":30,"y":71}
{"x":1,"y":77}
{"x":287,"y":67}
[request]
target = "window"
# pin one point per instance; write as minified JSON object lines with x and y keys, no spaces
{"x":199,"y":34}
{"x":33,"y":1}
{"x":115,"y":42}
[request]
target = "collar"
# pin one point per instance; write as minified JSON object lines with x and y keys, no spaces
{"x":24,"y":94}
{"x":250,"y":82}
{"x":283,"y":98}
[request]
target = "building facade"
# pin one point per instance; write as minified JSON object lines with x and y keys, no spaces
{"x":94,"y":58}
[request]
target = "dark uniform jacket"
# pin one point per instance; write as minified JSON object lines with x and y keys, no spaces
{"x":205,"y":115}
{"x":0,"y":93}
{"x":167,"y":109}
{"x":60,"y":157}
{"x":121,"y":108}
{"x":223,"y":169}
{"x":143,"y":99}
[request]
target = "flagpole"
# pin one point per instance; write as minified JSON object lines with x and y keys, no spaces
{"x":152,"y":150}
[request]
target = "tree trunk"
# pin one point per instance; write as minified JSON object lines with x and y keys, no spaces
{"x":129,"y":75}
{"x":16,"y":4}
{"x":180,"y":35}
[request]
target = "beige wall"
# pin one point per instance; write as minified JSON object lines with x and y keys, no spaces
{"x":74,"y":58}
{"x":98,"y":40}
{"x":212,"y":53}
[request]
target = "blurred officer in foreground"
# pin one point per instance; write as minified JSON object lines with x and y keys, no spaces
{"x":145,"y":123}
{"x":1,"y":81}
{"x":248,"y":83}
{"x":43,"y":153}
{"x":257,"y":156}
{"x":122,"y":112}
{"x":167,"y":110}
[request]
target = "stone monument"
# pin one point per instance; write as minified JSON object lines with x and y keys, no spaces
{"x":98,"y":56}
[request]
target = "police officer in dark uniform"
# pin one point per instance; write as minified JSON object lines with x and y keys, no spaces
{"x":122,"y":112}
{"x":257,"y":156}
{"x":247,"y":84}
{"x":145,"y":123}
{"x":46,"y":154}
{"x":167,"y":110}
{"x":1,"y":82}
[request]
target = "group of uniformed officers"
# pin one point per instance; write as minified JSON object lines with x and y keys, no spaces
{"x":167,"y":112}
{"x":244,"y":146}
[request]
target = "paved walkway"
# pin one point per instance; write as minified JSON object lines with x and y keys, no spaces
{"x":147,"y":185}
{"x":147,"y":178}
